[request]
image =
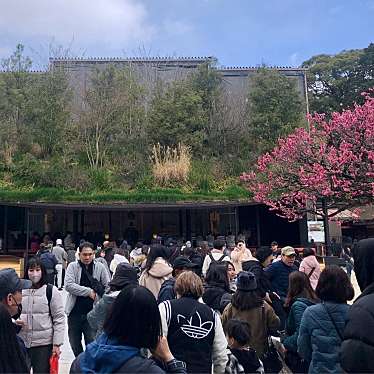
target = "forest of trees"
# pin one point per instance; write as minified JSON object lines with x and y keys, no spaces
{"x":106,"y":142}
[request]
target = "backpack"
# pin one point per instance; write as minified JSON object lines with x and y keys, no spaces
{"x":48,"y":293}
{"x":214,"y":261}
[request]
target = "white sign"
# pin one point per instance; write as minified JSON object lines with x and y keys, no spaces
{"x":316,"y":231}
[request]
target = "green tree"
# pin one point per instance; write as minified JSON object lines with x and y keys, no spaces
{"x":178,"y":116}
{"x":336,"y":82}
{"x":49,"y":108}
{"x":112,"y":116}
{"x":274,"y":108}
{"x":15,"y":89}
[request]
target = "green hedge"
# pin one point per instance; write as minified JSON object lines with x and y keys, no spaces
{"x":154,"y":195}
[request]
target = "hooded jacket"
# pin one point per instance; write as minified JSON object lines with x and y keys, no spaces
{"x":156,"y":275}
{"x":96,"y":316}
{"x":117,"y":259}
{"x":307,"y":265}
{"x":357,"y":355}
{"x":106,"y":355}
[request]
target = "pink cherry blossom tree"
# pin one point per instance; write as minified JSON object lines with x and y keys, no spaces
{"x":322,"y":171}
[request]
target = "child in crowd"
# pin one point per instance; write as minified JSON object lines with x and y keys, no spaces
{"x":242,"y":358}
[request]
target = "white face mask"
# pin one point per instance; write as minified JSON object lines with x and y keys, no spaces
{"x":35,"y":276}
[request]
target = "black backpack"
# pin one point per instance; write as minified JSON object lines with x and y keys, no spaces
{"x":48,"y":293}
{"x":214,"y":261}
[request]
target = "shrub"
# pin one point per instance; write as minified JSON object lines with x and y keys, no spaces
{"x":170,"y":165}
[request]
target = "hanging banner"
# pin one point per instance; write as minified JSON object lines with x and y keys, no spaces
{"x":316,"y":231}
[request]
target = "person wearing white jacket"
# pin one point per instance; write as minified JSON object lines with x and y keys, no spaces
{"x":43,"y":318}
{"x":119,"y":258}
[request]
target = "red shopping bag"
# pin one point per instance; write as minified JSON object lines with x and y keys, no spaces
{"x":53,"y":364}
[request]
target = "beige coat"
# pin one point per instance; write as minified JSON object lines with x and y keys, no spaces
{"x":239,"y":256}
{"x":259,"y":327}
{"x":157,"y":274}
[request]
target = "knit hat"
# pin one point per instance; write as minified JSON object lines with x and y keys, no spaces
{"x":246,"y":281}
{"x":263,"y":253}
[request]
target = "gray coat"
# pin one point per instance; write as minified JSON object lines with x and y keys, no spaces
{"x":40,"y":329}
{"x":98,"y":314}
{"x":72,"y":283}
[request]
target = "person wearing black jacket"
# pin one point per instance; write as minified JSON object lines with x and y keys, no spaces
{"x":134,"y":323}
{"x":217,"y":293}
{"x":357,"y":352}
{"x":264,"y":257}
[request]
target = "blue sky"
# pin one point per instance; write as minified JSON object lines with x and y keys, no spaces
{"x":237,"y":32}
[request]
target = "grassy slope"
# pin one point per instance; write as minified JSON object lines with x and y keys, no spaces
{"x":154,"y":195}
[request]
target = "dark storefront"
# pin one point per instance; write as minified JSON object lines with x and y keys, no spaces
{"x":183,"y":220}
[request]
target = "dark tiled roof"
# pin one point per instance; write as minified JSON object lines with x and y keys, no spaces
{"x":131,"y":59}
{"x":253,"y":68}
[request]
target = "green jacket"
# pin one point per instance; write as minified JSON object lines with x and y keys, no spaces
{"x":293,"y":323}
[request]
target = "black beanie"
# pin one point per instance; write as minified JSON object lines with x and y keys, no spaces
{"x":246,"y":281}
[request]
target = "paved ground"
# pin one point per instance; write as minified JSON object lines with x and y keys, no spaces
{"x":67,"y":355}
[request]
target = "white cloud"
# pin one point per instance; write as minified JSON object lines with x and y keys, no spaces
{"x":89,"y":22}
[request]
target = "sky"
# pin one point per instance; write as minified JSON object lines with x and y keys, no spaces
{"x":236,"y":32}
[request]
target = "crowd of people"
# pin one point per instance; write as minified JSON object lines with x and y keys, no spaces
{"x":169,"y":308}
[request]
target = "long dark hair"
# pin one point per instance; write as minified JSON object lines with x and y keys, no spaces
{"x":12,"y":358}
{"x":134,"y":318}
{"x":217,"y":276}
{"x":299,"y":286}
{"x":33,"y":263}
{"x":156,"y":250}
{"x":246,"y":300}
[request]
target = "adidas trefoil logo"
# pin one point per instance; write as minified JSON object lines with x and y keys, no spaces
{"x":196,"y":331}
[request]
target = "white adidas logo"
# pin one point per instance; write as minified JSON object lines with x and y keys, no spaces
{"x":196,"y":331}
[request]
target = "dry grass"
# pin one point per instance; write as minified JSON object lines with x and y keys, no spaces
{"x":170,"y":165}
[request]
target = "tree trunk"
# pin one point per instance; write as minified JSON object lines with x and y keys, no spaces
{"x":326,"y":225}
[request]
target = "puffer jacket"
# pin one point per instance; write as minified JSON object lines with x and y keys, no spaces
{"x":215,"y":295}
{"x":96,"y":317}
{"x":293,"y":323}
{"x":318,"y":341}
{"x":156,"y":275}
{"x":307,"y":265}
{"x":40,"y":329}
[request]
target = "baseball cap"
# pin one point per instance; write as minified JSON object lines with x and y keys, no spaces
{"x":10,"y":282}
{"x":58,"y":241}
{"x":288,"y":251}
{"x":183,"y":262}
